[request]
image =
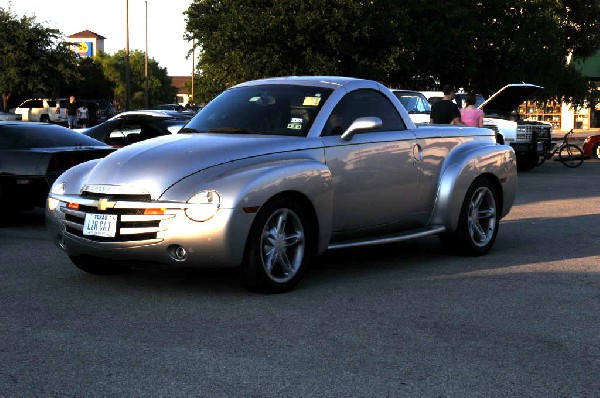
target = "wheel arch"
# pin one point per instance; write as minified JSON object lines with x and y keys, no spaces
{"x":494,"y":163}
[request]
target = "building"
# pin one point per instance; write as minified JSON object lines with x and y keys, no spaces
{"x":183,"y":85}
{"x":565,"y":116}
{"x":86,"y":43}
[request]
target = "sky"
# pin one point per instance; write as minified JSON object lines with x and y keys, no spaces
{"x":166,"y":25}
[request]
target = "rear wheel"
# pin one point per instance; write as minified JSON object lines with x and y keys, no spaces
{"x":571,"y":155}
{"x":44,"y":119}
{"x":277,"y":250}
{"x":478,"y":223}
{"x":97,"y":266}
{"x":596,"y":151}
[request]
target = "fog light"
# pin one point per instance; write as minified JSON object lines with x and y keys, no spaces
{"x":53,"y":204}
{"x":178,"y":253}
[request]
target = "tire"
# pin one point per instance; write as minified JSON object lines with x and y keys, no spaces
{"x":277,"y":249}
{"x":527,"y":161}
{"x":478,"y":222}
{"x":596,"y":151}
{"x":97,"y":266}
{"x":571,"y":155}
{"x":44,"y":119}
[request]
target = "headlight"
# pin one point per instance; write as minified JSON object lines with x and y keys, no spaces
{"x":203,"y":206}
{"x":58,"y":188}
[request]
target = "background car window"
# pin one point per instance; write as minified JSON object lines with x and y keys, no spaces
{"x":264,"y":109}
{"x":363,"y":103}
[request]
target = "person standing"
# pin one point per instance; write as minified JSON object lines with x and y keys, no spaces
{"x":445,"y":111}
{"x":82,"y":115}
{"x":470,"y":115}
{"x":72,"y":112}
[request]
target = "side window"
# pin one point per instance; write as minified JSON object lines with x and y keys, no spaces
{"x":27,"y":104}
{"x":36,"y":104}
{"x":363,"y":103}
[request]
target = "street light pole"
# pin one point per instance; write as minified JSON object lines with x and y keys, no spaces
{"x":193,"y":61}
{"x":127,"y":69}
{"x":146,"y":63}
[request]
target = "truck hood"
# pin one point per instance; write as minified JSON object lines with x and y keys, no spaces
{"x":508,"y":98}
{"x":157,"y":164}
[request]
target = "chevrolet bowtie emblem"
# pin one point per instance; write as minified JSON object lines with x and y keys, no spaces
{"x":104,"y":204}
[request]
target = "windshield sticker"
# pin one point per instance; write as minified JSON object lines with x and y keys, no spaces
{"x":311,"y":101}
{"x":295,"y":123}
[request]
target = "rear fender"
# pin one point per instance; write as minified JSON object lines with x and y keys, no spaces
{"x":462,"y":167}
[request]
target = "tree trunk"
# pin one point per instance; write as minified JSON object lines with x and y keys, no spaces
{"x":5,"y":97}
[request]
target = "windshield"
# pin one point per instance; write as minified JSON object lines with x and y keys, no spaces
{"x":413,"y":103}
{"x":265,"y":109}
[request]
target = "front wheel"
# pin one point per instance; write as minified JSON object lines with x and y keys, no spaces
{"x":478,"y":223}
{"x":277,"y":249}
{"x":527,"y":161}
{"x":571,"y":155}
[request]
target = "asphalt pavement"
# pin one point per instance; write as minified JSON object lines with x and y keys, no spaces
{"x":399,"y":320}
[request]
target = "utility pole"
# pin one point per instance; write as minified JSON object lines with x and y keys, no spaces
{"x":193,"y":61}
{"x":127,"y":68}
{"x":146,"y":63}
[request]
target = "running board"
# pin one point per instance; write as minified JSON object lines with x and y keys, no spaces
{"x":418,"y":233}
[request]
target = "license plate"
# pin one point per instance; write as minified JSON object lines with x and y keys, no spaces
{"x":104,"y":225}
{"x":540,"y":146}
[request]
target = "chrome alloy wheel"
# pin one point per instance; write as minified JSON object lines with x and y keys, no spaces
{"x":482,"y":216}
{"x":282,"y":245}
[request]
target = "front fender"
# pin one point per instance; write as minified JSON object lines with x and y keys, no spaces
{"x":462,"y":167}
{"x":246,"y":186}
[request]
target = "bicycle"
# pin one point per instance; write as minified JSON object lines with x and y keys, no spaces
{"x":569,"y":154}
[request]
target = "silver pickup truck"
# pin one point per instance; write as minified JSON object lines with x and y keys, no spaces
{"x":273,"y":172}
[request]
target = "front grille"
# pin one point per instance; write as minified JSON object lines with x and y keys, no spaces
{"x":539,"y":131}
{"x":132,"y":224}
{"x":115,"y":197}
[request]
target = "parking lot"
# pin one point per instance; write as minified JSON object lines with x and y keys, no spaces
{"x":400,"y":320}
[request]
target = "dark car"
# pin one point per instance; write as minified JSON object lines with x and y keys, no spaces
{"x":106,"y":110}
{"x":33,"y":155}
{"x":134,"y":126}
{"x":591,"y":146}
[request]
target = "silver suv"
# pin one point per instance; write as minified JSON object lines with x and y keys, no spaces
{"x":41,"y":110}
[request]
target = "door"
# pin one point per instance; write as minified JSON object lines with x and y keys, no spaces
{"x":376,"y":173}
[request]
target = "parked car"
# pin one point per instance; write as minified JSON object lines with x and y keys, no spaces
{"x":9,"y":116}
{"x":591,"y":146}
{"x":106,"y":110}
{"x":275,"y":171}
{"x":415,"y":104}
{"x":134,"y":126}
{"x":93,"y":107}
{"x":32,"y":155}
{"x":530,"y":139}
{"x":41,"y":110}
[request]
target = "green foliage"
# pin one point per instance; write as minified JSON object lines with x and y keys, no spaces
{"x":33,"y":59}
{"x":160,"y":88}
{"x":412,"y":44}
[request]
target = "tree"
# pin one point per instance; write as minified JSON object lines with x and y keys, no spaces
{"x":32,"y":58}
{"x":160,"y":87}
{"x":412,"y":44}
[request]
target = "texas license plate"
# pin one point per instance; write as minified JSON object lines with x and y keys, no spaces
{"x":100,"y":225}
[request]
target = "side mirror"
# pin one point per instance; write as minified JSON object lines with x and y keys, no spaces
{"x":361,"y":124}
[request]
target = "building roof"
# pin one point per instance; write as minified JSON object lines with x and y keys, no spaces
{"x":87,"y":34}
{"x":179,"y":83}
